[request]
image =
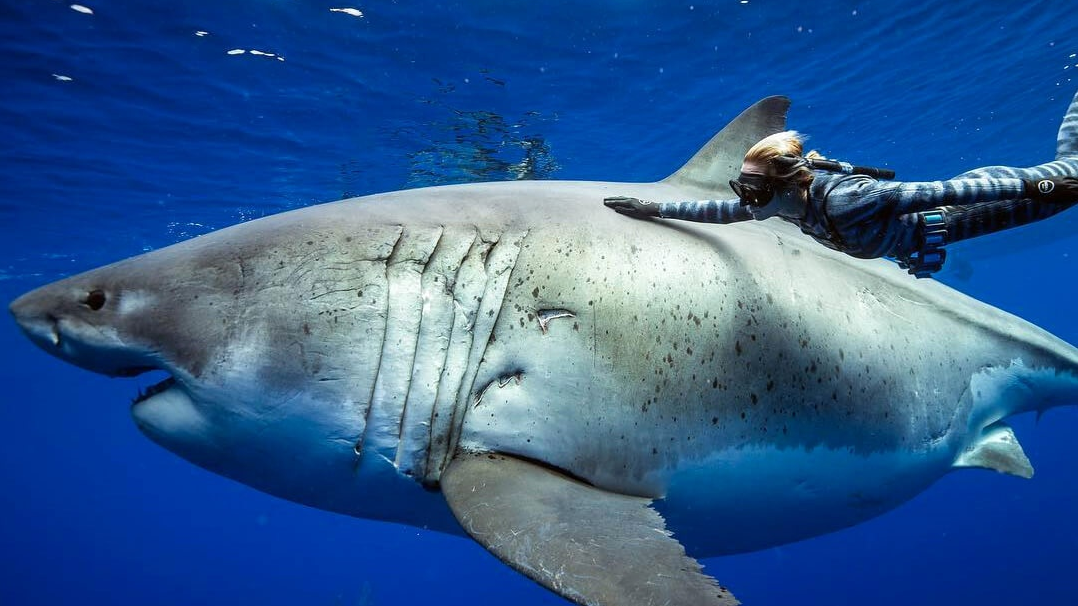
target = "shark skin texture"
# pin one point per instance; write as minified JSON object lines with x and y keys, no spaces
{"x":597,"y":400}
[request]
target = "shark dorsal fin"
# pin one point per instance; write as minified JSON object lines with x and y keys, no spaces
{"x":720,"y":160}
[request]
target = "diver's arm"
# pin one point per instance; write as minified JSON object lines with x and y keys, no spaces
{"x":703,"y":211}
{"x":706,"y":211}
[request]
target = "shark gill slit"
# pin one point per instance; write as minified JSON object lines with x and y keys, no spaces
{"x":360,"y":442}
{"x":403,"y":271}
{"x":464,"y":292}
{"x":421,"y":264}
{"x":479,"y":293}
{"x":500,"y":261}
{"x":423,"y":356}
{"x":436,"y":338}
{"x":464,"y":390}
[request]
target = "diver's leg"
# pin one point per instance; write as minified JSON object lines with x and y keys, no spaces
{"x":923,"y":235}
{"x":920,"y":249}
{"x":965,"y":222}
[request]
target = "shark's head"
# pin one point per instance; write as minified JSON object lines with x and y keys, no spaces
{"x":177,"y":310}
{"x":141,"y":315}
{"x":263,"y":386}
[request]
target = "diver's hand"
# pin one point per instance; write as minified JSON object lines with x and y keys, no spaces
{"x":1055,"y":190}
{"x":633,"y":207}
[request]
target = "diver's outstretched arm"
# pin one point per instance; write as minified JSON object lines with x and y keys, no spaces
{"x":706,"y":211}
{"x":701,"y":211}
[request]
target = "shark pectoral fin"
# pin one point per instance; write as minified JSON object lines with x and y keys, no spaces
{"x":997,"y":449}
{"x":585,"y":544}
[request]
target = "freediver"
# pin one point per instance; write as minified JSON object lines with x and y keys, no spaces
{"x":856,"y":210}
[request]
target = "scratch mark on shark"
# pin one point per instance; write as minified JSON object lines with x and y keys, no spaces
{"x":546,"y":315}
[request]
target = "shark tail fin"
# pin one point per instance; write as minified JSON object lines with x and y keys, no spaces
{"x":720,"y":159}
{"x":1067,"y":140}
{"x":1003,"y":391}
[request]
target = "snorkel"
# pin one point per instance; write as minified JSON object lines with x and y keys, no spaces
{"x":789,"y":163}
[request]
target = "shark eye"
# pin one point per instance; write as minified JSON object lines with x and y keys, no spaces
{"x":95,"y":300}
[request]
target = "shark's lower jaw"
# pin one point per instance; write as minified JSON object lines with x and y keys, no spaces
{"x":153,"y":390}
{"x":168,"y":415}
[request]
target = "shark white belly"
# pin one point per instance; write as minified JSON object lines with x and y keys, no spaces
{"x":563,"y":374}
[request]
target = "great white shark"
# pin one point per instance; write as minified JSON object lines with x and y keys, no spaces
{"x":596,"y":400}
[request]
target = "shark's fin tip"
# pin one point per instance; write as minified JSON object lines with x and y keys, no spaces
{"x":998,"y":449}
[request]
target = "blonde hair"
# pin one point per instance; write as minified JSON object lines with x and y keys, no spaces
{"x":786,"y":143}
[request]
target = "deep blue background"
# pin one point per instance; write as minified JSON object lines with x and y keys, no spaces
{"x":161,"y":135}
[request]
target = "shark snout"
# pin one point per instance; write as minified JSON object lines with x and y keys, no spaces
{"x":36,"y":320}
{"x":70,"y":324}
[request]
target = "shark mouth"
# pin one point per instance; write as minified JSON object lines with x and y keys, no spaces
{"x":153,"y":390}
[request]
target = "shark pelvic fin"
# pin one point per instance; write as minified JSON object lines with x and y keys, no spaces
{"x":719,"y":160}
{"x":587,"y":545}
{"x":997,"y":449}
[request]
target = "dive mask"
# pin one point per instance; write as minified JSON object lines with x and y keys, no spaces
{"x":753,"y":189}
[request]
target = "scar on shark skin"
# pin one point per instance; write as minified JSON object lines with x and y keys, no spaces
{"x":501,"y":381}
{"x":546,"y":315}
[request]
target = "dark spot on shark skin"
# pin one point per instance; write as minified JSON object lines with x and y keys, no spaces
{"x":737,"y":347}
{"x":535,"y":292}
{"x":306,"y":329}
{"x":754,"y":398}
{"x":714,"y":420}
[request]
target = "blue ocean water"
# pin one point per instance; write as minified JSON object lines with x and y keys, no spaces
{"x":130,"y":126}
